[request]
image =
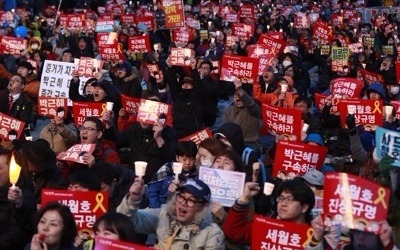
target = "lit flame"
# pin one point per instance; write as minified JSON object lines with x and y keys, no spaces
{"x":15,"y":170}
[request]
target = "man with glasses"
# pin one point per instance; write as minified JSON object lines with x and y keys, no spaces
{"x":294,"y":202}
{"x":185,"y":222}
{"x":15,"y":103}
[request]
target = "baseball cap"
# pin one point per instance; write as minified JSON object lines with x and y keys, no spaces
{"x":314,"y":177}
{"x":198,"y":189}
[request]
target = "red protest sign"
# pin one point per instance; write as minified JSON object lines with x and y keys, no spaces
{"x":181,"y":56}
{"x":146,"y":20}
{"x":155,"y":72}
{"x":354,"y":202}
{"x":398,"y":71}
{"x":367,"y":112}
{"x":150,"y":111}
{"x":322,"y":32}
{"x":112,"y":52}
{"x":269,"y":233}
{"x":128,"y":18}
{"x":301,"y":21}
{"x":231,"y":17}
{"x":199,"y":136}
{"x":231,"y":40}
{"x":109,"y":244}
{"x":183,"y":35}
{"x":264,"y":62}
{"x":139,"y":44}
{"x":275,"y":34}
{"x":276,"y":46}
{"x":396,"y":105}
{"x":73,"y":20}
{"x":244,"y":68}
{"x":89,"y":67}
{"x":86,"y":206}
{"x":371,"y":77}
{"x":130,"y":104}
{"x":81,"y":110}
{"x":246,"y":11}
{"x":52,"y":106}
{"x":174,"y":13}
{"x":297,"y":158}
{"x":242,"y":30}
{"x":8,"y":123}
{"x":12,"y":45}
{"x":346,"y":86}
{"x":320,"y":102}
{"x":108,"y":38}
{"x":76,"y":152}
{"x":282,"y":121}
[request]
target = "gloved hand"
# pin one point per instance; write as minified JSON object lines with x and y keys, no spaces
{"x":351,"y":122}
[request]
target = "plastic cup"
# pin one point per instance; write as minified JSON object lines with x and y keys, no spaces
{"x":177,"y":168}
{"x":351,"y":109}
{"x":388,"y":111}
{"x":109,"y":106}
{"x":305,"y":127}
{"x":268,"y":188}
{"x":284,"y":88}
{"x":140,"y":168}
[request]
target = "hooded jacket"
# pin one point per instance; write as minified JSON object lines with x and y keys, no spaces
{"x":201,"y":233}
{"x":378,"y":88}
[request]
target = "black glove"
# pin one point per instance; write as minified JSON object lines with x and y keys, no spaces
{"x":351,"y":123}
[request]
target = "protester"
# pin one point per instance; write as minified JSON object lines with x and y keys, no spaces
{"x":175,"y":222}
{"x":56,"y":229}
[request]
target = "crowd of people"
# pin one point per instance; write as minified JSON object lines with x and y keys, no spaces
{"x":178,"y":212}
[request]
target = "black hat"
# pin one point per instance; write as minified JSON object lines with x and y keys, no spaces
{"x":40,"y":154}
{"x":104,"y":85}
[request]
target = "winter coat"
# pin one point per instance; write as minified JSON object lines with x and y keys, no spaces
{"x":60,"y":140}
{"x":201,"y":233}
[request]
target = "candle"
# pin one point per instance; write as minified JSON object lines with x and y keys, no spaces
{"x":14,"y":172}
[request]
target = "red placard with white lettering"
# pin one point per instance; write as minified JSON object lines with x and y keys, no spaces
{"x":182,"y":35}
{"x":336,"y":20}
{"x":86,"y":206}
{"x":174,"y":13}
{"x":130,"y":104}
{"x":146,"y":20}
{"x":181,"y":56}
{"x":275,"y":34}
{"x":47,"y":106}
{"x":242,"y":30}
{"x":76,"y":152}
{"x":322,"y":32}
{"x":283,"y":121}
{"x":367,"y":112}
{"x":398,"y":71}
{"x":73,"y":20}
{"x":276,"y":46}
{"x":354,"y":202}
{"x":346,"y":86}
{"x":270,"y":233}
{"x":81,"y":110}
{"x":107,"y":38}
{"x":150,"y":111}
{"x":301,"y":21}
{"x":396,"y":105}
{"x":243,"y":67}
{"x":231,"y":17}
{"x":8,"y":123}
{"x":155,"y":72}
{"x":139,"y":44}
{"x":112,"y":52}
{"x":371,"y":77}
{"x":261,"y":51}
{"x":128,"y":18}
{"x":297,"y":158}
{"x":12,"y":45}
{"x":109,"y":244}
{"x":199,"y":136}
{"x":230,"y":41}
{"x":320,"y":102}
{"x":89,"y":67}
{"x":246,"y":11}
{"x":265,"y":61}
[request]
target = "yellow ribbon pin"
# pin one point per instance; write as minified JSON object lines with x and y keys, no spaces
{"x":310,"y":233}
{"x":377,"y":107}
{"x":99,"y":200}
{"x":104,"y":109}
{"x":381,"y":197}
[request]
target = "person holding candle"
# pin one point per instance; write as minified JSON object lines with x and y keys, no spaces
{"x":157,"y":191}
{"x":184,"y":222}
{"x":283,"y":96}
{"x":16,"y":207}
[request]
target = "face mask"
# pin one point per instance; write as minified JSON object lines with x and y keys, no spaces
{"x":206,"y":163}
{"x":286,"y":63}
{"x":35,"y":46}
{"x":12,"y":137}
{"x":394,"y":90}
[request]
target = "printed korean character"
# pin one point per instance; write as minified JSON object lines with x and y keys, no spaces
{"x":366,"y":196}
{"x":6,"y":122}
{"x":283,"y":237}
{"x":90,"y":220}
{"x":370,"y":211}
{"x":96,"y":112}
{"x":16,"y":125}
{"x":355,"y":192}
{"x":79,"y":220}
{"x":85,"y":207}
{"x":314,"y":158}
{"x":88,"y":112}
{"x":357,"y":208}
{"x":334,"y":205}
{"x":73,"y":206}
{"x":195,"y":139}
{"x":272,"y":234}
{"x":287,"y":164}
{"x":298,"y":155}
{"x":82,"y":112}
{"x":294,"y":240}
{"x":203,"y":135}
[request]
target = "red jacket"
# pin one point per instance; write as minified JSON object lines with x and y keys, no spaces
{"x":237,"y":226}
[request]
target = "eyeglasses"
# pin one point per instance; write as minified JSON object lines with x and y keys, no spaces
{"x":82,"y":128}
{"x":189,"y":202}
{"x":281,"y":199}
